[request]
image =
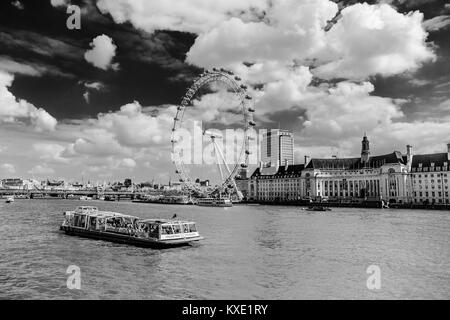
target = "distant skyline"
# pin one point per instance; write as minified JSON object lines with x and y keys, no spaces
{"x":98,"y":102}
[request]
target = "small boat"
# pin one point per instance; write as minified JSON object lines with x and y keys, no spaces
{"x":88,"y":221}
{"x":85,"y":198}
{"x":174,"y":200}
{"x":214,"y":202}
{"x":10,"y":199}
{"x":318,"y":208}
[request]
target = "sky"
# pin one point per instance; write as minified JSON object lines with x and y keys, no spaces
{"x":98,"y":102}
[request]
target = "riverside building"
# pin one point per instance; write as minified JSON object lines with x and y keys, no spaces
{"x":277,"y":147}
{"x":393,"y":177}
{"x":430,"y":176}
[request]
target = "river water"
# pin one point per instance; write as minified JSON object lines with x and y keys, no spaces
{"x":250,"y":252}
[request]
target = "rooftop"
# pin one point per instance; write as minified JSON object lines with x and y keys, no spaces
{"x":427,"y":159}
{"x":294,"y":169}
{"x":355,"y":163}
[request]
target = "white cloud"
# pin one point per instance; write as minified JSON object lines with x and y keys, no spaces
{"x":50,"y":152}
{"x":11,"y":66}
{"x":94,"y":85}
{"x":41,"y":170}
{"x":102,"y":52}
{"x":133,"y":127}
{"x":295,"y":32}
{"x":86,"y":96}
{"x":128,"y":163}
{"x":19,"y":5}
{"x":59,"y":3}
{"x":437,"y":23}
{"x":371,"y":40}
{"x":337,"y":118}
{"x":181,"y":15}
{"x":8,"y":168}
{"x":14,"y":110}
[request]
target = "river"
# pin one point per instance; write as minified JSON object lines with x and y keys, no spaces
{"x":249,"y":252}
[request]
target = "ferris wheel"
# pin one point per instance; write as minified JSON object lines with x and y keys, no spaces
{"x":244,"y":112}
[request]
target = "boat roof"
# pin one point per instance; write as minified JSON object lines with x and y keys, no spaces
{"x":93,"y":212}
{"x":161,"y":221}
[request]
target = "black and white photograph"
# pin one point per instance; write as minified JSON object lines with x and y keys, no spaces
{"x":230,"y":150}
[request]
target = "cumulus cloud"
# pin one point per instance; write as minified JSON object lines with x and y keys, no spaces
{"x":8,"y":168}
{"x":102,"y":52}
{"x":19,"y":5}
{"x":337,"y":118}
{"x":393,"y":42}
{"x":295,"y":31}
{"x":370,"y":40}
{"x":128,"y":163}
{"x":50,"y":152}
{"x":14,"y":110}
{"x":180,"y":15}
{"x":41,"y":170}
{"x":132,"y":131}
{"x":281,"y":47}
{"x":286,"y":49}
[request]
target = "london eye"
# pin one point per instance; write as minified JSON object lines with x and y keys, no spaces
{"x":238,"y":104}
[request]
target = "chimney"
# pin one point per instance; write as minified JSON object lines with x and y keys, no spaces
{"x":286,"y":164}
{"x":409,"y":156}
{"x":260,"y":166}
{"x":448,"y":151}
{"x":307,"y":159}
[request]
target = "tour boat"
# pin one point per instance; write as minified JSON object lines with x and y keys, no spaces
{"x":88,"y":221}
{"x":10,"y":199}
{"x":214,"y":202}
{"x":85,"y":198}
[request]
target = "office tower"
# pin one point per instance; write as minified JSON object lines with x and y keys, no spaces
{"x":277,"y":147}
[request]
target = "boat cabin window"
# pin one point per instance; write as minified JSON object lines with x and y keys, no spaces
{"x":166,"y":229}
{"x":101,"y":223}
{"x":192,"y":227}
{"x":93,"y":223}
{"x":153,"y":231}
{"x":176,"y":228}
{"x":79,"y":220}
{"x":186,"y":228}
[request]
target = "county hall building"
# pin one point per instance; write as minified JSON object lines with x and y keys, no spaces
{"x":393,"y":177}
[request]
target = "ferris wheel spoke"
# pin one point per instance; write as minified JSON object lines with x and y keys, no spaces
{"x":222,"y":157}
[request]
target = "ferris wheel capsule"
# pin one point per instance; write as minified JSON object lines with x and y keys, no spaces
{"x":252,"y":123}
{"x":251,"y":109}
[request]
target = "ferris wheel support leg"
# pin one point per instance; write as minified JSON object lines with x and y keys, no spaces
{"x":217,"y":158}
{"x":223,"y":159}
